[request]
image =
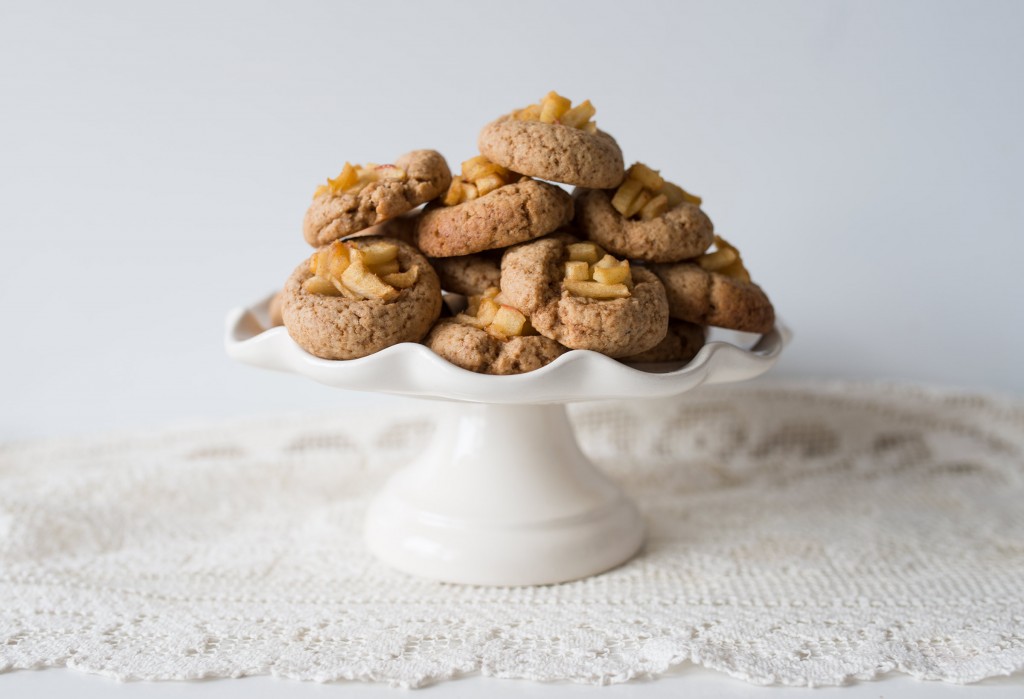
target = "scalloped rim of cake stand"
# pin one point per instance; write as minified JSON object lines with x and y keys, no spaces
{"x":502,"y":494}
{"x":411,"y":369}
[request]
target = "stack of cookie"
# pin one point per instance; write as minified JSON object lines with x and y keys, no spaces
{"x":629,"y":265}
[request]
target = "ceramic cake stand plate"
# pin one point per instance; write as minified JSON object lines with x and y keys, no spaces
{"x":502,"y":495}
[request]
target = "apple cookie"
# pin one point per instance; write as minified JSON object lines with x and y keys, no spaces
{"x":352,"y":299}
{"x":488,"y":207}
{"x":491,"y":337}
{"x":681,"y":344}
{"x":580,"y":296}
{"x":646,"y":218}
{"x":469,"y":275}
{"x":362,"y":196}
{"x":554,"y":141}
{"x":715,"y":289}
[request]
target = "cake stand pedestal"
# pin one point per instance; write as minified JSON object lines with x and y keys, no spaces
{"x":502,"y":495}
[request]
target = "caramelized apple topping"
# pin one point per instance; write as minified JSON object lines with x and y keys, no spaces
{"x":358,"y":271}
{"x":353,"y":178}
{"x":479,"y":177}
{"x":490,"y":313}
{"x":555,"y":109}
{"x":724,"y":259}
{"x":644,"y":194}
{"x":592,"y":273}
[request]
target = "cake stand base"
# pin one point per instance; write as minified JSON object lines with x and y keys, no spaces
{"x":503,"y":496}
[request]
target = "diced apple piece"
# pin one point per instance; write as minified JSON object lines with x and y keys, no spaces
{"x":508,"y":321}
{"x":320,"y":285}
{"x":577,"y":270}
{"x":318,"y":261}
{"x":607,"y":261}
{"x":402,"y":280}
{"x":359,"y":279}
{"x":597,"y":290}
{"x":553,"y":107}
{"x":321,"y":189}
{"x":638,"y":203}
{"x":479,"y":166}
{"x":585,"y":252}
{"x":469,"y":192}
{"x":454,"y":194}
{"x":626,"y":194}
{"x":491,"y":292}
{"x":590,"y":127}
{"x":649,"y":178}
{"x":378,"y":253}
{"x":345,"y":291}
{"x":489,"y":183}
{"x":531,"y":113}
{"x":619,"y":274}
{"x":487,"y":310}
{"x":717,"y":260}
{"x":654,"y":208}
{"x":384,"y":268}
{"x":725,"y":260}
{"x":348,"y":177}
{"x":579,"y":115}
{"x":334,"y":256}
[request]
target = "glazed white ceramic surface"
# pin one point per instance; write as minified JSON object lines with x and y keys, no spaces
{"x":410,"y":369}
{"x":502,"y":495}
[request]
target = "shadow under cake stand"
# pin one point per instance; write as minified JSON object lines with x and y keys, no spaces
{"x":502,"y":495}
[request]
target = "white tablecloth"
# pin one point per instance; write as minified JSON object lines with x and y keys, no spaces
{"x":799,"y":534}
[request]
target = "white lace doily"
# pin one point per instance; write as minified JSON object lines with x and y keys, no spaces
{"x":798,"y":535}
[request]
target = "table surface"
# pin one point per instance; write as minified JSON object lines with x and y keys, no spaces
{"x":690,"y":681}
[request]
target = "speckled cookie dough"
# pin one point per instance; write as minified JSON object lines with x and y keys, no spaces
{"x":531,"y":280}
{"x":682,"y":232}
{"x":469,"y":275}
{"x":681,"y":344}
{"x":709,"y":298}
{"x":511,"y":214}
{"x":335,"y":327}
{"x":553,"y":152}
{"x":331,"y":217}
{"x":474,"y":349}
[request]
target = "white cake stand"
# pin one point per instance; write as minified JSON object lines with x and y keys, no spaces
{"x":502,"y":495}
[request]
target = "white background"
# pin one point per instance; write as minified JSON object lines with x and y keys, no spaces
{"x":156,"y":160}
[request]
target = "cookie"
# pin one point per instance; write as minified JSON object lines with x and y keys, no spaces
{"x":681,"y":344}
{"x":710,"y":298}
{"x":333,"y":216}
{"x":553,"y":152}
{"x":476,"y":350}
{"x":336,"y":327}
{"x":508,"y":215}
{"x":469,"y":275}
{"x":532,"y":276}
{"x":682,"y":232}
